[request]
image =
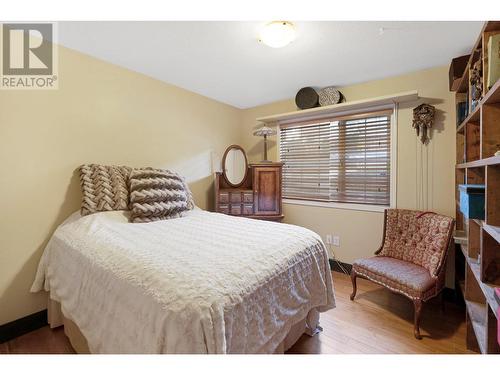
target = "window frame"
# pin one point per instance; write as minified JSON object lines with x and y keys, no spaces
{"x":393,"y":162}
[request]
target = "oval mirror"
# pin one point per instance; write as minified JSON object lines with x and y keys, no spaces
{"x":234,"y":165}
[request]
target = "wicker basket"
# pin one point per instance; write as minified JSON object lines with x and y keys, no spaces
{"x":306,"y":98}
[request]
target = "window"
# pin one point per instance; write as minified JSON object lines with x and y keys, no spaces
{"x":338,"y":160}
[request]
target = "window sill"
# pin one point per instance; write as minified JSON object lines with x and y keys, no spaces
{"x":342,"y":206}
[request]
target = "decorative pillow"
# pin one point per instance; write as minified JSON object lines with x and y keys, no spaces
{"x":157,"y":194}
{"x":104,"y":188}
{"x":190,"y":199}
{"x":189,"y":194}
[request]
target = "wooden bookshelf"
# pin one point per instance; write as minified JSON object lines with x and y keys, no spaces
{"x":494,"y":160}
{"x":487,"y":290}
{"x":481,"y":309}
{"x":478,"y":138}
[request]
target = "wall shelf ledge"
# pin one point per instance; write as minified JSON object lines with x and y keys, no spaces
{"x":341,"y":108}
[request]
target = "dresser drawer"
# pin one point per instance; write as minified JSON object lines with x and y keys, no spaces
{"x":248,"y":209}
{"x":223,"y":197}
{"x":223,"y":209}
{"x":236,"y":197}
{"x":248,"y":197}
{"x":236,"y":209}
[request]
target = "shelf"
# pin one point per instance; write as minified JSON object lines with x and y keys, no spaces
{"x":472,"y":117}
{"x":493,"y":95}
{"x":492,"y":231}
{"x":460,"y":237}
{"x":474,"y":239}
{"x":477,"y":141}
{"x":476,"y":312}
{"x":464,"y":81}
{"x":492,"y":197}
{"x":488,"y":290}
{"x":493,"y":160}
{"x":338,"y":109}
{"x":479,"y":222}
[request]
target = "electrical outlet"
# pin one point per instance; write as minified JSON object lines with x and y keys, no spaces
{"x":329,"y":239}
{"x":336,"y":241}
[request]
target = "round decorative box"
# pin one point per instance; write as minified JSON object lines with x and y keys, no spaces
{"x":307,"y":97}
{"x":329,"y":95}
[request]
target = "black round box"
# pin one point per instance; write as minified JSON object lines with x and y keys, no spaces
{"x":306,"y":98}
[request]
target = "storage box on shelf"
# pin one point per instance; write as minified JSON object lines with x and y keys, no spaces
{"x":478,"y":139}
{"x":472,"y":200}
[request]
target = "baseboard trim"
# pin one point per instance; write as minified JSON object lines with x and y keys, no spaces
{"x":22,"y":326}
{"x":335,"y":265}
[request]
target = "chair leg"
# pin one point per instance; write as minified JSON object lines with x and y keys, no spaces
{"x":418,"y":310}
{"x":354,"y":286}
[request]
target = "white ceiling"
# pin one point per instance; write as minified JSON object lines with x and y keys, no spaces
{"x":224,"y":60}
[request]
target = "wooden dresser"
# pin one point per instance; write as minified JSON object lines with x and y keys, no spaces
{"x":258,"y":196}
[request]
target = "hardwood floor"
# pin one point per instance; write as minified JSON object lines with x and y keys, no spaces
{"x":378,"y":321}
{"x":41,"y":341}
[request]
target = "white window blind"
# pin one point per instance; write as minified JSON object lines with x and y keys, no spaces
{"x":338,"y":160}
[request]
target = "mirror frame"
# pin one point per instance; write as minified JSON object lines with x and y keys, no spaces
{"x":238,"y":147}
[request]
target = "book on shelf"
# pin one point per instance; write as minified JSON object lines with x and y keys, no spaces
{"x":462,"y":112}
{"x":493,"y":60}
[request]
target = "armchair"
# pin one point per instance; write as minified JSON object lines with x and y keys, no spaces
{"x":411,"y":259}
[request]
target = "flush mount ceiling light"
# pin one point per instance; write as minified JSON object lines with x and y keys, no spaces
{"x":277,"y":34}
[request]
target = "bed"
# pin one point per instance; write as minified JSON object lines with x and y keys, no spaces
{"x":201,"y":283}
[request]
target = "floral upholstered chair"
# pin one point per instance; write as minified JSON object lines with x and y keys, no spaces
{"x":411,"y":260}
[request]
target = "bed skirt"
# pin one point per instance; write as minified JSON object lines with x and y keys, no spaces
{"x":309,"y":326}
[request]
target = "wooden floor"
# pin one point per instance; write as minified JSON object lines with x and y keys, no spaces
{"x":378,"y":321}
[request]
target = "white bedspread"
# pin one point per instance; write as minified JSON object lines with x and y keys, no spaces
{"x":203,"y":283}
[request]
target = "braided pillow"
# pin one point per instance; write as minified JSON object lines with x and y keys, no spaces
{"x":104,"y":188}
{"x":157,"y":194}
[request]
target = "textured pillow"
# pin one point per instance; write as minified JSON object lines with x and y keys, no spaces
{"x":104,"y":188}
{"x":190,"y":199}
{"x":189,"y":194}
{"x":157,"y":194}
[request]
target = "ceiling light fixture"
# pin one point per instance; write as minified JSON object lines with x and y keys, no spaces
{"x":277,"y":34}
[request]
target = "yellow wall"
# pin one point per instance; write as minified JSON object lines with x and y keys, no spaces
{"x":106,"y":114}
{"x":425,"y":174}
{"x":101,"y":113}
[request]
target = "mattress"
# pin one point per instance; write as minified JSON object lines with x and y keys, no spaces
{"x":202,"y":283}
